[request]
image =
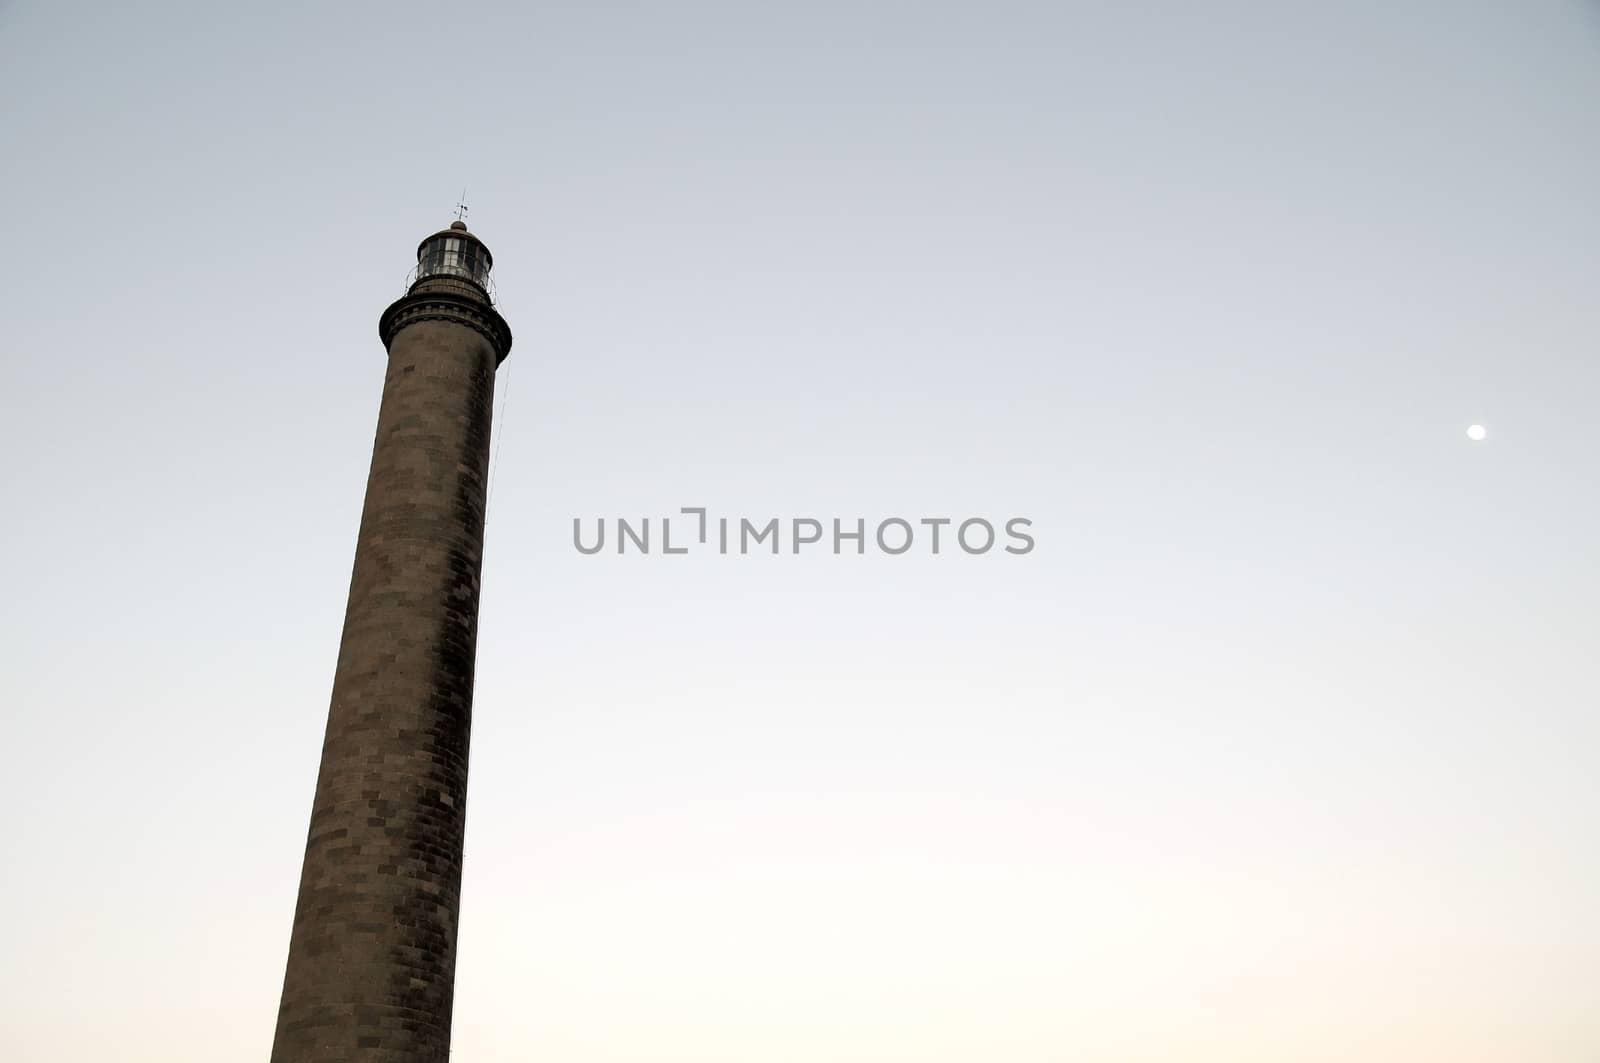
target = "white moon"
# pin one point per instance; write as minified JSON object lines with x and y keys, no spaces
{"x":1477,"y":433}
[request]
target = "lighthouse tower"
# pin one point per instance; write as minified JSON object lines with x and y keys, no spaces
{"x":372,"y":954}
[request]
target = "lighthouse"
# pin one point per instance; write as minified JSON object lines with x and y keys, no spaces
{"x":372,"y":953}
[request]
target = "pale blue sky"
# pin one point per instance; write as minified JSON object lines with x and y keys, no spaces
{"x":1279,"y":747}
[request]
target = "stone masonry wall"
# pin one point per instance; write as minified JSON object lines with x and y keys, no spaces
{"x":372,"y":955}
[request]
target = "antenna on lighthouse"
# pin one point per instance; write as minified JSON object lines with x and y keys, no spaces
{"x":461,"y":208}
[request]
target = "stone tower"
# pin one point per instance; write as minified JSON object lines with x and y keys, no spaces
{"x":372,"y":955}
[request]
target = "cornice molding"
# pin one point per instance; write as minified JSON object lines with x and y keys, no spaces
{"x":447,"y":306}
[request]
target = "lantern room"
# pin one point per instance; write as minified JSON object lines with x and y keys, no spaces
{"x":454,"y":253}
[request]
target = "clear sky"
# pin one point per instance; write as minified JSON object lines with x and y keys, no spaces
{"x":1280,"y":745}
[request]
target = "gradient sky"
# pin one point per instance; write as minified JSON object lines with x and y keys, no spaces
{"x":1279,"y":747}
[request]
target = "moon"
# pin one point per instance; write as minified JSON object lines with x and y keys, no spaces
{"x":1477,"y":433}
